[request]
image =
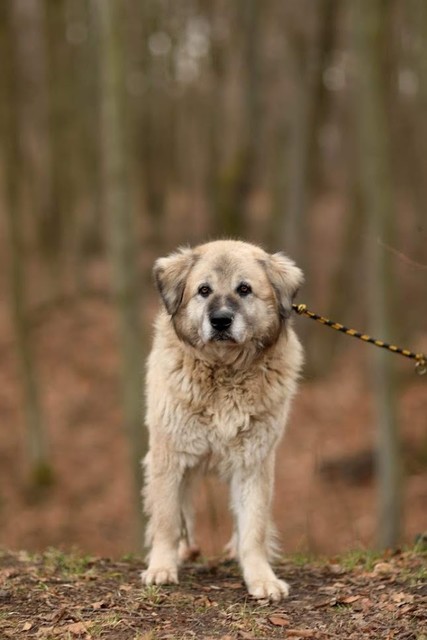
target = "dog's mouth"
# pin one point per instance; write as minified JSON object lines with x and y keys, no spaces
{"x":223,"y":336}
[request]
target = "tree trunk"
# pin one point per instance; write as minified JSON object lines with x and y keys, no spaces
{"x":121,"y":233}
{"x":15,"y":160}
{"x":309,"y":61}
{"x":40,"y":171}
{"x":420,"y":128}
{"x":370,"y":21}
{"x":237,"y":180}
{"x":86,"y":225}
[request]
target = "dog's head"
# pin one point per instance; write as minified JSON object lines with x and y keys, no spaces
{"x":227,"y":292}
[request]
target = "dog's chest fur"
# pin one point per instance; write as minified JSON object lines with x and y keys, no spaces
{"x":213,"y":412}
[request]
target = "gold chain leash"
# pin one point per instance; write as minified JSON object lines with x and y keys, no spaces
{"x":420,"y":358}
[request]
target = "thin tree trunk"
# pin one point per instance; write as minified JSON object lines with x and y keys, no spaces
{"x":86,"y":225}
{"x":35,"y":106}
{"x":14,"y":162}
{"x":237,"y":179}
{"x":309,"y":60}
{"x":370,"y":22}
{"x":420,"y":133}
{"x":215,"y":116}
{"x":297,"y":186}
{"x":121,"y":232}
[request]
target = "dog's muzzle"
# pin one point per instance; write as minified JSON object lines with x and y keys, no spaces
{"x":221,"y":321}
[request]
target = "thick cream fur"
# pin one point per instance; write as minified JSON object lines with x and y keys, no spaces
{"x":223,"y":408}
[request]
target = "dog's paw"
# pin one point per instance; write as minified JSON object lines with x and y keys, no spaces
{"x":270,"y":589}
{"x":159,"y":575}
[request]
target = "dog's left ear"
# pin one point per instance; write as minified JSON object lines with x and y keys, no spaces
{"x":286,"y":278}
{"x":170,"y":275}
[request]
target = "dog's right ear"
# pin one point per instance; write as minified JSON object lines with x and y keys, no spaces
{"x":170,"y":275}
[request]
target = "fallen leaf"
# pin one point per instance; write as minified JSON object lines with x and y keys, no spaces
{"x":27,"y":626}
{"x":407,"y":608}
{"x":7,"y":573}
{"x":301,"y":633}
{"x":336,"y":569}
{"x":402,"y":598}
{"x":232,"y":585}
{"x":125,"y":587}
{"x":383,"y":568}
{"x":348,"y":599}
{"x":328,"y":589}
{"x":99,"y":605}
{"x":366,"y":603}
{"x":76,"y":628}
{"x":279,"y":621}
{"x":245,"y":635}
{"x":58,"y":615}
{"x":45,"y":631}
{"x":325,"y":603}
{"x":203,"y":601}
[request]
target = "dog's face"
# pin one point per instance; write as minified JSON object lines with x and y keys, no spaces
{"x":227,"y":293}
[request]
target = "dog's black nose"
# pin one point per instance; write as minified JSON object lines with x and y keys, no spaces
{"x":221,"y":320}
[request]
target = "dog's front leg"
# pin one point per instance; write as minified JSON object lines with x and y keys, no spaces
{"x":251,"y":491}
{"x":162,"y":504}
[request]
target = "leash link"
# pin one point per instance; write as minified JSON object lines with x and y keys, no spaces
{"x":420,"y":358}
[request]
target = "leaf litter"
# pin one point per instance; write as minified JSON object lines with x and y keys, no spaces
{"x":102,"y":598}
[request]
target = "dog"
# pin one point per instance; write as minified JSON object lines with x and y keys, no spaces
{"x":221,"y":375}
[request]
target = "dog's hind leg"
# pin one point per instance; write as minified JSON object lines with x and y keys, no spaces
{"x":230,"y":548}
{"x":188,"y":549}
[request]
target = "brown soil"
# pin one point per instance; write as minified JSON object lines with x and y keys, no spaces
{"x":59,"y":596}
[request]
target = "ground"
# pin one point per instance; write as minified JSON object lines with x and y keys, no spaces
{"x":355,"y":596}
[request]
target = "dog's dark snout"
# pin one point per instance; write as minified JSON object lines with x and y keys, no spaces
{"x":221,"y":320}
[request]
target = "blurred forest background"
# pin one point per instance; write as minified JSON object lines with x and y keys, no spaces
{"x":129,"y":127}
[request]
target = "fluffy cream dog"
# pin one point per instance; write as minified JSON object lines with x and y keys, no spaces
{"x":221,"y":376}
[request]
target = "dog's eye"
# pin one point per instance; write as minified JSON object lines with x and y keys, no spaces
{"x":204,"y":290}
{"x":243,"y":289}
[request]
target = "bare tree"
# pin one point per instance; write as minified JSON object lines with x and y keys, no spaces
{"x":310,"y":50}
{"x":237,"y":178}
{"x":121,"y":233}
{"x":85,"y":228}
{"x":370,"y":24}
{"x":18,"y":144}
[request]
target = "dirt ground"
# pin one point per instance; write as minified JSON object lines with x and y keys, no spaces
{"x":325,"y":488}
{"x":356,"y":596}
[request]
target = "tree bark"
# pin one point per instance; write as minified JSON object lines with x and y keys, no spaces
{"x":237,"y":179}
{"x":17,"y":145}
{"x":121,"y":232}
{"x":370,"y":22}
{"x":309,"y":60}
